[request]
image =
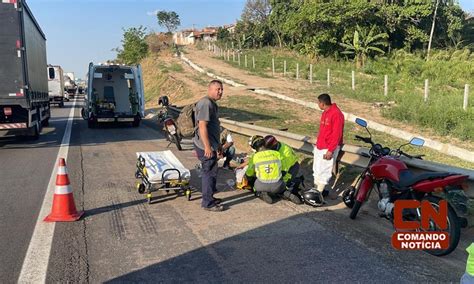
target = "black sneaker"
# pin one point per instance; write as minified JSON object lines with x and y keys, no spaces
{"x":266,"y":197}
{"x":215,"y":208}
{"x":295,"y":199}
{"x":288,"y":195}
{"x":325,"y":193}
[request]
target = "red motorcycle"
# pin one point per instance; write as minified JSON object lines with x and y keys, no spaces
{"x":392,"y":180}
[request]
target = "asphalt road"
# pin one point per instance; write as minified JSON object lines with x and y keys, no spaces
{"x":26,"y":168}
{"x":121,"y":238}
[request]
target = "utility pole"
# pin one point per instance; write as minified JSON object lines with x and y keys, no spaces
{"x":432,"y":31}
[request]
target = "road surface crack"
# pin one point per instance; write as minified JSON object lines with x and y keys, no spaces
{"x":84,"y":223}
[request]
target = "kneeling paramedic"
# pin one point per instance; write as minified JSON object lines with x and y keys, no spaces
{"x":289,"y":166}
{"x":265,"y":165}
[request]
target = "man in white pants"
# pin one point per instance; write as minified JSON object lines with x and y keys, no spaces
{"x":328,"y":144}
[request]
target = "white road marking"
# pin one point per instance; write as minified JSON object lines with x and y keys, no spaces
{"x":35,"y":264}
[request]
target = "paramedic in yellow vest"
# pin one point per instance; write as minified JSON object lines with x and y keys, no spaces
{"x":264,"y":169}
{"x":289,"y":161}
{"x":468,"y":277}
{"x":289,"y":167}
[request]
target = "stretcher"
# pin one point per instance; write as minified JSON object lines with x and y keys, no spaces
{"x":161,"y":171}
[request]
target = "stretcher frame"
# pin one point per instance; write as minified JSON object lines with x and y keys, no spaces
{"x":180,"y":186}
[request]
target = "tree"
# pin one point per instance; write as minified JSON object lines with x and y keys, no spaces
{"x":256,"y":11}
{"x":253,"y":29}
{"x":134,"y":46}
{"x":364,"y":44}
{"x":170,"y":20}
{"x":223,"y":34}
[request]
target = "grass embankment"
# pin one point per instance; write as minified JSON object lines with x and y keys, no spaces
{"x":447,"y":74}
{"x":158,"y":80}
{"x":159,"y":77}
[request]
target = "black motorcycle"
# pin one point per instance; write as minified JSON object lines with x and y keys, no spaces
{"x":169,"y":125}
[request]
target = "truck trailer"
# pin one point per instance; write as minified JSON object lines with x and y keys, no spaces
{"x":56,"y":85}
{"x":24,"y":100}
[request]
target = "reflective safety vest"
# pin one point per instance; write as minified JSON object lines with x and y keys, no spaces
{"x":470,"y":260}
{"x":266,"y":165}
{"x":288,"y":159}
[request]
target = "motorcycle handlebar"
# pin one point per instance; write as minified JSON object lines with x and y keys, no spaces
{"x":406,"y":155}
{"x":364,"y":139}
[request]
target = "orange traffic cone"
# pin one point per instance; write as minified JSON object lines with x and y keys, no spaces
{"x":64,"y":209}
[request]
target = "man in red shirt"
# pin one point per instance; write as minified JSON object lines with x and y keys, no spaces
{"x":328,"y":144}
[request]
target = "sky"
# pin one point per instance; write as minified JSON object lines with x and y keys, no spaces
{"x":83,"y":31}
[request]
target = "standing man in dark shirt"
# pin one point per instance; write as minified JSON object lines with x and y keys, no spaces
{"x":207,"y":143}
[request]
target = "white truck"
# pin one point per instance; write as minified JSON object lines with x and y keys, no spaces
{"x":56,"y":85}
{"x":69,"y":84}
{"x":114,"y":94}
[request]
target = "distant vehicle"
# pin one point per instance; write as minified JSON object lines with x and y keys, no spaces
{"x":71,"y":76}
{"x":24,"y":100}
{"x":56,"y":85}
{"x":81,"y":86}
{"x":114,"y":94}
{"x":70,"y":85}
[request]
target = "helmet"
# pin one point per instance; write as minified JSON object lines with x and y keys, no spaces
{"x":271,"y":142}
{"x":313,"y":197}
{"x":253,"y":138}
{"x":256,"y":142}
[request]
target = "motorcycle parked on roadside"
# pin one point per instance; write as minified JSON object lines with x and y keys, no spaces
{"x":169,"y":125}
{"x":392,"y":180}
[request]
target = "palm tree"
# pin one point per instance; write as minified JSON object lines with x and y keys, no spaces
{"x":364,"y":44}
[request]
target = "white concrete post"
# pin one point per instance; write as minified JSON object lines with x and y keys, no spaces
{"x":245,"y":59}
{"x":233,"y":56}
{"x":385,"y":85}
{"x":253,"y":61}
{"x":329,"y":78}
{"x":297,"y":71}
{"x":284,"y":68}
{"x":238,"y":58}
{"x":466,"y":96}
{"x":426,"y":89}
{"x":273,"y":66}
{"x":353,"y":81}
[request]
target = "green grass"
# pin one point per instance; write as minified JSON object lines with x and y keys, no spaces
{"x":248,"y":109}
{"x":175,"y":67}
{"x":442,"y":112}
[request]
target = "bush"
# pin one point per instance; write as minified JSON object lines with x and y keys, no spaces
{"x":158,"y":42}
